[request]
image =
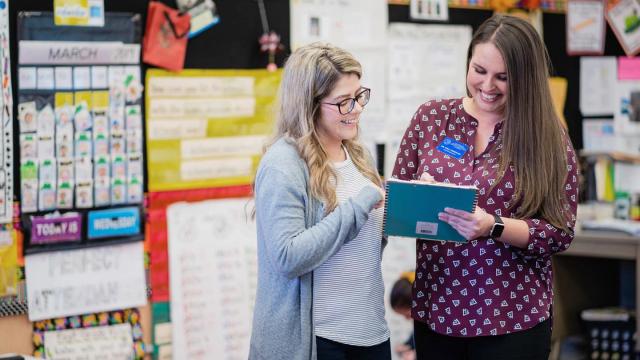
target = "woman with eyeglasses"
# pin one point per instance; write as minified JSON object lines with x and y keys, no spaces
{"x":319,"y":219}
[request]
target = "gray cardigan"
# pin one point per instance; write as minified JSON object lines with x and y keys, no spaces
{"x":294,"y":238}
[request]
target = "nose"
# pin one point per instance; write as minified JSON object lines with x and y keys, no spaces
{"x":357,"y":108}
{"x":488,"y":84}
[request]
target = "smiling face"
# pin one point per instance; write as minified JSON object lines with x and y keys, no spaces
{"x":333,"y":127}
{"x":487,"y":80}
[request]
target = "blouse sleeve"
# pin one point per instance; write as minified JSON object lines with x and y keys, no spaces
{"x":407,"y":160}
{"x":546,"y":239}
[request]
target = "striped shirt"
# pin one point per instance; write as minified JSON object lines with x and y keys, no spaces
{"x":348,"y":292}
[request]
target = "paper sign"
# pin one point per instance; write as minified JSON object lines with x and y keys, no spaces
{"x":213,"y":279}
{"x":204,"y":108}
{"x":628,"y":68}
{"x":64,"y":78}
{"x":206,"y":128}
{"x":223,"y":146}
{"x":585,"y":27}
{"x":79,"y":12}
{"x":27,"y":78}
{"x":208,"y":169}
{"x":74,"y":282}
{"x":93,"y":343}
{"x":597,"y":84}
{"x":77,"y":52}
{"x":54,"y":230}
{"x":45,"y":78}
{"x":200,"y":86}
{"x":176,"y":129}
{"x":113,"y":222}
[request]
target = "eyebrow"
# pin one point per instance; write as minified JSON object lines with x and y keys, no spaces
{"x":348,"y":96}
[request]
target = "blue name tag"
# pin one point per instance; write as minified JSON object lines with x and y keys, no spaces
{"x":453,"y":147}
{"x":112,"y":223}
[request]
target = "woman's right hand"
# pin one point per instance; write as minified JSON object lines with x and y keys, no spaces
{"x":380,"y":203}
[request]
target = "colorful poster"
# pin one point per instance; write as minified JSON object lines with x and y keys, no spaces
{"x":624,"y":19}
{"x":206,"y":128}
{"x":105,"y":335}
{"x":79,"y":12}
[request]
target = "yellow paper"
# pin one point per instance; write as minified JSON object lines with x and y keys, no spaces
{"x":100,"y":99}
{"x":85,"y":96}
{"x":64,"y":99}
{"x":207,"y":127}
{"x":78,"y":12}
{"x":9,"y":266}
{"x":558,"y":87}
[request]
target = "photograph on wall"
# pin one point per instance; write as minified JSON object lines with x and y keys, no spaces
{"x":585,"y":27}
{"x":624,"y":19}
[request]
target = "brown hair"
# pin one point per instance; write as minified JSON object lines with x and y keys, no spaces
{"x":533,"y":137}
{"x":310,"y":74}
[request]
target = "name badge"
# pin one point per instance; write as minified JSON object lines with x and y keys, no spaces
{"x":453,"y":147}
{"x":56,"y":230}
{"x":114,"y":222}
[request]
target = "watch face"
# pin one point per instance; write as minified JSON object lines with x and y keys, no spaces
{"x":497,"y":229}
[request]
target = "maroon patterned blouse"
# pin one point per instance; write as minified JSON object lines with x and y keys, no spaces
{"x":484,"y":287}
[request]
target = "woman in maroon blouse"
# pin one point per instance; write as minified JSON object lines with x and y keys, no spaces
{"x":491,"y":297}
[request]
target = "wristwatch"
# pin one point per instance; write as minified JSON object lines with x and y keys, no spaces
{"x":497,"y":228}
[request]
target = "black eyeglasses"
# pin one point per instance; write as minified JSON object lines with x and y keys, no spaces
{"x":346,"y":106}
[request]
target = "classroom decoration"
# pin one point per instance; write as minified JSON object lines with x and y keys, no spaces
{"x":624,"y":19}
{"x":12,"y":299}
{"x":165,"y":39}
{"x":81,"y":133}
{"x":270,"y":40}
{"x":6,"y":120}
{"x":213,"y":279}
{"x":79,"y":12}
{"x":73,"y":282}
{"x":204,"y":14}
{"x":104,"y":335}
{"x":585,"y":27}
{"x":429,"y":10}
{"x":206,"y":128}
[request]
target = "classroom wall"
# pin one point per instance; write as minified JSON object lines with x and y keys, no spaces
{"x":233,"y":43}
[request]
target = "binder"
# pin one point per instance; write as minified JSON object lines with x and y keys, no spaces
{"x":411,"y":209}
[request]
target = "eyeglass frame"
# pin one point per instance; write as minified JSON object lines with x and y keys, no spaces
{"x":353,"y":101}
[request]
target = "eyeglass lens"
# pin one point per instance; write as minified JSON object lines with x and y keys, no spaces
{"x":347,"y":105}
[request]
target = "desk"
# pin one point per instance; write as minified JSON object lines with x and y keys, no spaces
{"x":612,"y":246}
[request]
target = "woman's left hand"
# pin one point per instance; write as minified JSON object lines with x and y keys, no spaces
{"x":469,"y":225}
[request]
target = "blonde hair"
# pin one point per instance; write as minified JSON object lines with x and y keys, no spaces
{"x":533,"y":136}
{"x":310,"y":74}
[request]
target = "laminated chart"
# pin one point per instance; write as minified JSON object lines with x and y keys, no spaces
{"x":207,"y":128}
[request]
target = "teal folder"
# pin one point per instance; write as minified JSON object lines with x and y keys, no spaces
{"x":411,"y":209}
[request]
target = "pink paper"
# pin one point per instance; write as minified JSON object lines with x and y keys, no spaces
{"x":628,"y":68}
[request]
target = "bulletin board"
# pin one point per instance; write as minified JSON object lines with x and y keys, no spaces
{"x":80,"y":127}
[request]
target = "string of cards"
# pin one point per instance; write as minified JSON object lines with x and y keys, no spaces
{"x":80,"y":133}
